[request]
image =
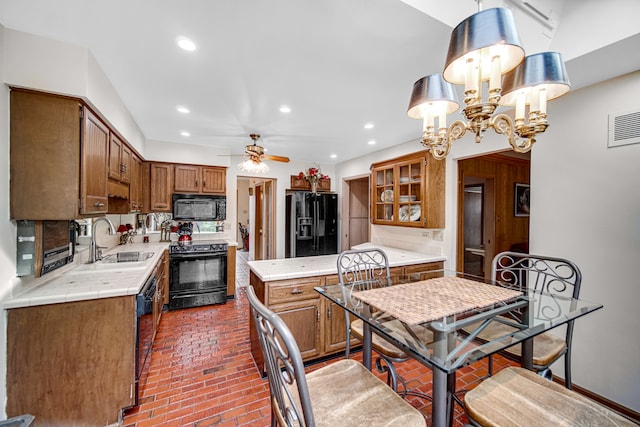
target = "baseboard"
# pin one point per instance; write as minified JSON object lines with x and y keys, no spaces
{"x":622,"y":410}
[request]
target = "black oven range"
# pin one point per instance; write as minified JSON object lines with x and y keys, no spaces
{"x":197,"y":273}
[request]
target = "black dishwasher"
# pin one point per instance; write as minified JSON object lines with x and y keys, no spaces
{"x":144,"y":329}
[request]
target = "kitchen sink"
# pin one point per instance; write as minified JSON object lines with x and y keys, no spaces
{"x":121,"y":261}
{"x":122,"y":257}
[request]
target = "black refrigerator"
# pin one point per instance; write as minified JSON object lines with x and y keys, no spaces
{"x":311,"y":224}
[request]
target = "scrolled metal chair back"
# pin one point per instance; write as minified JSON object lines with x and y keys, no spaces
{"x":285,"y":369}
{"x":364,"y":269}
{"x":540,"y":273}
{"x":550,"y":275}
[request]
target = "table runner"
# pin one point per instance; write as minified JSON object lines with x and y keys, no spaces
{"x":432,"y":299}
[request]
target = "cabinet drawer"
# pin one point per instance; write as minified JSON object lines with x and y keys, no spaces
{"x":292,"y":291}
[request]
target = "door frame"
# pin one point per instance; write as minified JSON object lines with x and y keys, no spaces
{"x":345,"y":208}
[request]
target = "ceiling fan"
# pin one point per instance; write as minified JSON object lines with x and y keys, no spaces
{"x":254,"y":156}
{"x":256,"y":152}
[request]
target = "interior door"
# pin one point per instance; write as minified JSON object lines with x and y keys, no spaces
{"x":259,"y":222}
{"x":355,"y":212}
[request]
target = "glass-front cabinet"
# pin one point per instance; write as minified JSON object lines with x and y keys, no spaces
{"x":408,"y":191}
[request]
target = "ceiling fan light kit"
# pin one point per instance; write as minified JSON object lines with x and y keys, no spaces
{"x":254,"y":156}
{"x":485,"y":47}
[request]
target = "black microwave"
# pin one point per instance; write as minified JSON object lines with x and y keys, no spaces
{"x":199,"y":207}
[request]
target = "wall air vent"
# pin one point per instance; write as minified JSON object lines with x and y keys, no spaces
{"x":624,"y":128}
{"x":538,"y":10}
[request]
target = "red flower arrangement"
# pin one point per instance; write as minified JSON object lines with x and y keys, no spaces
{"x":313,"y":175}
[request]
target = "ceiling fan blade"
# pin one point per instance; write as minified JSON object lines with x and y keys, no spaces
{"x":276,"y":158}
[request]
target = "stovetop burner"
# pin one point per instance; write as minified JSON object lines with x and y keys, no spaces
{"x":199,"y":246}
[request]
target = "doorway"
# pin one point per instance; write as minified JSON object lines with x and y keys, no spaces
{"x":355,"y":211}
{"x":264,"y":219}
{"x":486,"y":222}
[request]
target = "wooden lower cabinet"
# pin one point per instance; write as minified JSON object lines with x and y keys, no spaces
{"x":72,"y":364}
{"x":318,"y":325}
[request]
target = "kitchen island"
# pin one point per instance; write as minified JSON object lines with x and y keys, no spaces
{"x":287,"y":285}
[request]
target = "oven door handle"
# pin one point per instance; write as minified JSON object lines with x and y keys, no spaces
{"x":196,"y":255}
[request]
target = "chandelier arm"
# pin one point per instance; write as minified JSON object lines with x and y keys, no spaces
{"x":440,"y":145}
{"x":503,"y":124}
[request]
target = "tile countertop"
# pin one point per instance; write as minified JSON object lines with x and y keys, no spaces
{"x":293,"y":268}
{"x":80,"y":281}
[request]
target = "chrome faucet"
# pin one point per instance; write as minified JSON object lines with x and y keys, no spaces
{"x":144,"y":222}
{"x":94,"y":250}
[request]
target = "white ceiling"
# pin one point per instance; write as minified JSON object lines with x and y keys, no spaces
{"x":337,"y":63}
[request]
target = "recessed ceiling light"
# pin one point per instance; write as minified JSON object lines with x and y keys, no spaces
{"x":285,"y":109}
{"x":333,"y":156}
{"x":372,"y":142}
{"x":186,"y":44}
{"x":368,"y":125}
{"x":182,"y":109}
{"x":185,"y":133}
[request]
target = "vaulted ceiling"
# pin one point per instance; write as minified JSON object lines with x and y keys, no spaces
{"x":338,"y":64}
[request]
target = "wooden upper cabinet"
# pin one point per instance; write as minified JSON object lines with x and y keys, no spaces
{"x":119,"y":160}
{"x":200,"y":179}
{"x":45,"y":156}
{"x":187,"y":179}
{"x":135,"y":186}
{"x":408,"y":191}
{"x":93,"y":177}
{"x":214,"y":180}
{"x":160,"y":187}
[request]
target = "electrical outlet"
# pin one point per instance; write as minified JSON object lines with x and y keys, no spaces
{"x":438,"y":235}
{"x":425,"y":234}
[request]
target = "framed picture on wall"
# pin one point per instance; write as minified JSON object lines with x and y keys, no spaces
{"x":522,"y":200}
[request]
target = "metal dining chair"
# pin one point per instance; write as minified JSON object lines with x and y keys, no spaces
{"x":343,"y":393}
{"x":556,"y":276}
{"x":360,"y":270}
{"x":517,"y":396}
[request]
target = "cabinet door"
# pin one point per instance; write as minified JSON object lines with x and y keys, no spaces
{"x":335,"y":323}
{"x":135,"y":187}
{"x":45,"y":156}
{"x":125,"y":168}
{"x":303,"y":319}
{"x":94,"y":161}
{"x":161,"y":186}
{"x":115,"y":157}
{"x":214,"y":180}
{"x":383,"y":192}
{"x":410,"y":191}
{"x":187,"y":179}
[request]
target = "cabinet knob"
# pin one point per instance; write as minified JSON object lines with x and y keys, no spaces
{"x":196,"y":183}
{"x":204,"y":184}
{"x":98,"y":204}
{"x":296,"y":291}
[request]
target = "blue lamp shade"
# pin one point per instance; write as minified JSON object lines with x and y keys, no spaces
{"x":481,"y":37}
{"x":431,"y":89}
{"x":543,"y":70}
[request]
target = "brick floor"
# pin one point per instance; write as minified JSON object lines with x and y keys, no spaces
{"x":202,"y":373}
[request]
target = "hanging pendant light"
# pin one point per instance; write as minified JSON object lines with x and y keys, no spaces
{"x":485,"y":51}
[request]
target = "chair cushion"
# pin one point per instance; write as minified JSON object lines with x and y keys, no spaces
{"x":546,"y":347}
{"x":383,"y":346}
{"x":345,"y":394}
{"x":518,"y":397}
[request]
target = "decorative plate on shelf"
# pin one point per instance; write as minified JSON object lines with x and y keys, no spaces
{"x":409,"y":214}
{"x":404,"y":179}
{"x":387,"y":196}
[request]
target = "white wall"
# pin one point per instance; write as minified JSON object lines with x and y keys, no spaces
{"x":38,"y":63}
{"x":585,"y":205}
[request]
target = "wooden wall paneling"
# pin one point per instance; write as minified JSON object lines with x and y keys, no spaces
{"x":72,"y":364}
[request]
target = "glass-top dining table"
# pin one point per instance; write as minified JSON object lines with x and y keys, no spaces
{"x":436,"y":316}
